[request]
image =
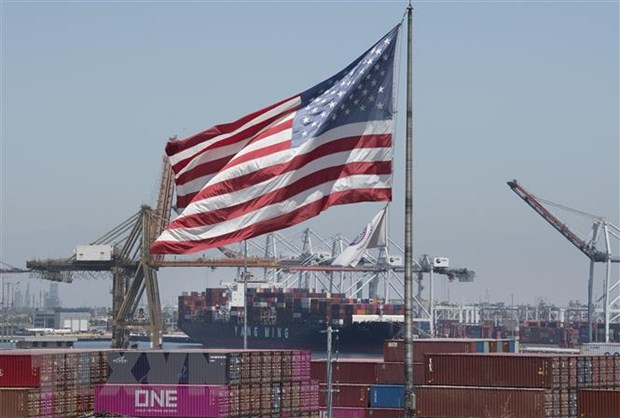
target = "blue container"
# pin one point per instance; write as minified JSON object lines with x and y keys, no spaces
{"x":512,"y":346}
{"x":387,"y":396}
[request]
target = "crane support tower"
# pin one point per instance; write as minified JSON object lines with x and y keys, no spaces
{"x":589,"y":249}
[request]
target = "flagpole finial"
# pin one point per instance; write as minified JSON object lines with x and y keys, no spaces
{"x":409,"y":7}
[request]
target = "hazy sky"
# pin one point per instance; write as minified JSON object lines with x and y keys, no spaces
{"x":528,"y":90}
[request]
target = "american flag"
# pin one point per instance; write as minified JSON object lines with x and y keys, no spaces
{"x":286,"y":163}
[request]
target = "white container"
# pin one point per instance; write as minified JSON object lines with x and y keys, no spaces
{"x":93,"y":252}
{"x":601,"y":348}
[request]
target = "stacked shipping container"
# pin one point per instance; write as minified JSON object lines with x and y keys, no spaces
{"x":277,"y":306}
{"x":375,"y":387}
{"x":49,"y":383}
{"x":502,"y":383}
{"x":599,"y":403}
{"x":209,"y":384}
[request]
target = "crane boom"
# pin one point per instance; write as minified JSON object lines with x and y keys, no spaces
{"x":586,"y":248}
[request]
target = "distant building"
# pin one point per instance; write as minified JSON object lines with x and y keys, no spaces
{"x":52,"y":299}
{"x":43,"y":319}
{"x":76,"y":320}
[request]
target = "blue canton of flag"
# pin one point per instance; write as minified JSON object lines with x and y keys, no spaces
{"x":361,"y":92}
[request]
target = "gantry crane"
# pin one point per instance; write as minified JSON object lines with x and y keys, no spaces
{"x":132,"y":266}
{"x":586,"y":247}
{"x":134,"y":269}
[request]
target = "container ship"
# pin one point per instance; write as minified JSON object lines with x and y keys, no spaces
{"x":288,"y":318}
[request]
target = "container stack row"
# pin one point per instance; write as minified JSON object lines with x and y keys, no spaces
{"x":504,"y":384}
{"x":209,"y":384}
{"x":365,"y":388}
{"x":49,"y":383}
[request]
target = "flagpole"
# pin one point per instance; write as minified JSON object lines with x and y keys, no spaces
{"x":409,"y":395}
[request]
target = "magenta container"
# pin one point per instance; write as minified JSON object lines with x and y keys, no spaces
{"x":190,"y":401}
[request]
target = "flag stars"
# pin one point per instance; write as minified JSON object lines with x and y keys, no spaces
{"x":381,"y":88}
{"x":373,"y":83}
{"x":371,"y":98}
{"x":380,"y":106}
{"x":382,"y":73}
{"x":365,"y":92}
{"x":387,"y":41}
{"x":323,"y":114}
{"x":306,"y":120}
{"x":332,"y":104}
{"x":362,"y":107}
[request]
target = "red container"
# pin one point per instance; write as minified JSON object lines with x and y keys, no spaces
{"x":418,"y":374}
{"x":206,"y":401}
{"x":346,"y":371}
{"x":478,"y":402}
{"x":384,"y":413}
{"x":394,"y":350}
{"x":350,"y":396}
{"x":598,"y":403}
{"x":390,"y":373}
{"x":497,"y":370}
{"x":22,"y":369}
{"x":19,"y":403}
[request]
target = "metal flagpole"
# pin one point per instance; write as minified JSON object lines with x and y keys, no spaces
{"x":409,"y":395}
{"x":245,"y":295}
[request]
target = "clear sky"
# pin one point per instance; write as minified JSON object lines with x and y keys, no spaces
{"x":528,"y":90}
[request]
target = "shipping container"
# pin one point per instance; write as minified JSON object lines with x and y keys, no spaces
{"x":347,"y":371}
{"x":481,"y":402}
{"x":19,"y":403}
{"x":394,"y":350}
{"x":499,"y":370}
{"x":346,"y":395}
{"x":206,"y":401}
{"x":600,"y":349}
{"x":41,"y":367}
{"x":598,"y":403}
{"x":347,"y":412}
{"x":169,"y":367}
{"x":384,"y":413}
{"x":387,"y":396}
{"x":101,"y":252}
{"x":391,"y":373}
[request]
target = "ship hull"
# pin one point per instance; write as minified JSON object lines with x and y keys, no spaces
{"x":362,"y":338}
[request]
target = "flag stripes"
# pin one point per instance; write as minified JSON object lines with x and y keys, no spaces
{"x":288,"y":162}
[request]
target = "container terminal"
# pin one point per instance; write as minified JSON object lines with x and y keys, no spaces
{"x":481,"y":360}
{"x":264,"y":334}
